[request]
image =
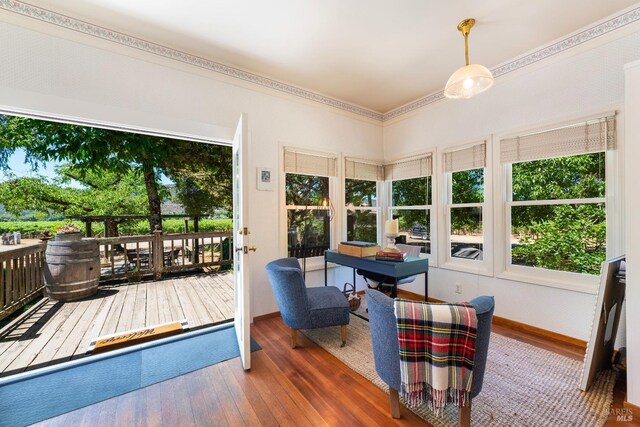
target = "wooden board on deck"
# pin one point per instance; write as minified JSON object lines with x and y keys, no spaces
{"x":136,"y":336}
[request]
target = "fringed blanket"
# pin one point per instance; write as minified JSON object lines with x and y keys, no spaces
{"x":437,"y":348}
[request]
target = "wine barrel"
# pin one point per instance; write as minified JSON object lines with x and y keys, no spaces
{"x":72,"y":268}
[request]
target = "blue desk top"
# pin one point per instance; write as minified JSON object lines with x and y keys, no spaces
{"x":410,"y":267}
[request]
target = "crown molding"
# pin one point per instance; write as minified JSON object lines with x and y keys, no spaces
{"x":599,"y":29}
{"x":605,"y":26}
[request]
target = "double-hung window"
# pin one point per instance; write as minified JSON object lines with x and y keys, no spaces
{"x":362,"y":208}
{"x":556,"y":213}
{"x":465,"y":181}
{"x":308,"y":184}
{"x":411,"y":200}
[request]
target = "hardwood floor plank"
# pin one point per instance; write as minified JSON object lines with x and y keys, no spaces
{"x":205,"y":404}
{"x":183,"y":289}
{"x":244,"y":405}
{"x":227,"y":404}
{"x":210,"y":287}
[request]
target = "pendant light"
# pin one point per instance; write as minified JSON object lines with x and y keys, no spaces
{"x":471,"y":79}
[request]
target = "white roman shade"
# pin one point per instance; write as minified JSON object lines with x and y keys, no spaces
{"x":473,"y":157}
{"x":581,"y":138}
{"x":307,"y":163}
{"x":361,"y":169}
{"x":416,"y":167}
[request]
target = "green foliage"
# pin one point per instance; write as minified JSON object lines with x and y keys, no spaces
{"x":94,"y":153}
{"x":361,"y":225}
{"x":467,"y":186}
{"x":566,"y":238}
{"x":306,"y":190}
{"x":412,"y":192}
{"x":360,"y":193}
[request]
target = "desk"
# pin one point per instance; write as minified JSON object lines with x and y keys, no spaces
{"x":397,"y":270}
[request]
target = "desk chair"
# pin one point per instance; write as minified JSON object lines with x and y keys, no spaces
{"x":386,"y":351}
{"x":385,"y":283}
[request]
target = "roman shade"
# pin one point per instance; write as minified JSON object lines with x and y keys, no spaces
{"x":361,"y":169}
{"x":307,"y":163}
{"x":416,"y":167}
{"x":581,"y":138}
{"x":473,"y":157}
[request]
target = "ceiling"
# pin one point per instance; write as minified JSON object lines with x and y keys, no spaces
{"x":377,"y":54}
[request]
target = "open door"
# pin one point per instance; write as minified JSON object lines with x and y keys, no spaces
{"x":242,"y":284}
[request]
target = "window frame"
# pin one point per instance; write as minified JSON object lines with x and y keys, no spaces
{"x":485,"y":266}
{"x":614,"y":177}
{"x":431,"y":208}
{"x":317,"y":262}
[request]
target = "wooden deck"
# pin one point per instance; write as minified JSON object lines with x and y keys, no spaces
{"x":57,"y":332}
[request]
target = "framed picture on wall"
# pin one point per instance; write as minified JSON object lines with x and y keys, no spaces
{"x":265,"y":179}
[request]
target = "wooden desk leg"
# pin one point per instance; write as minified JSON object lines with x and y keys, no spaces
{"x":426,"y":286}
{"x":325,"y":271}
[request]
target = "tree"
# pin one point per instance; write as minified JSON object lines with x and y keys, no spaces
{"x":568,"y":237}
{"x":98,"y":150}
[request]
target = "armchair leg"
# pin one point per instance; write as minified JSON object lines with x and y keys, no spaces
{"x":294,"y":338}
{"x":343,"y":334}
{"x":464,"y":415}
{"x":394,"y":401}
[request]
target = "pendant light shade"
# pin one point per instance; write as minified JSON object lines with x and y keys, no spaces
{"x":471,"y":79}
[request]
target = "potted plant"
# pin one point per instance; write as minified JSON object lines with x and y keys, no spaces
{"x":68,"y":232}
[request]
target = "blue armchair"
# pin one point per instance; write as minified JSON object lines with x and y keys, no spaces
{"x":386,"y":352}
{"x":302,"y":307}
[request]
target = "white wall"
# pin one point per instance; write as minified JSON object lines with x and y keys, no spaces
{"x":44,"y":73}
{"x":584,"y":81}
{"x":632,"y":134}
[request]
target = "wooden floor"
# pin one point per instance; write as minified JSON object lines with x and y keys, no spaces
{"x":62,"y":331}
{"x":302,"y":387}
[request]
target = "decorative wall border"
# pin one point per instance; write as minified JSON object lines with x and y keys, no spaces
{"x":583,"y":36}
{"x":50,"y":17}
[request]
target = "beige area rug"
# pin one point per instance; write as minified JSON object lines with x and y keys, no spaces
{"x":523,"y":385}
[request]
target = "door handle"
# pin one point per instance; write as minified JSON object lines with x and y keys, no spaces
{"x":246,"y":249}
{"x":252,"y":248}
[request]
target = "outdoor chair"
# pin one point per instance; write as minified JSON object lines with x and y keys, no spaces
{"x":384,"y":283}
{"x":302,"y":307}
{"x":386,"y":351}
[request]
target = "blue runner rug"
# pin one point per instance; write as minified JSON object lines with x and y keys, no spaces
{"x":44,"y":393}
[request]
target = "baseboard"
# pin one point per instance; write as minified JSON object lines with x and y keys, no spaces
{"x":267,"y":316}
{"x":634,"y":408}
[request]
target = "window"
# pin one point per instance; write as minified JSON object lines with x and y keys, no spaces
{"x":361,"y":199}
{"x":465,"y":203}
{"x":411,"y":200}
{"x":308,"y":202}
{"x":556,"y":208}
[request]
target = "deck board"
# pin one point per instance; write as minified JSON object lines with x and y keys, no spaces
{"x":62,"y":331}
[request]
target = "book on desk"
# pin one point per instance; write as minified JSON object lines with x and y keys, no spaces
{"x":358,"y":249}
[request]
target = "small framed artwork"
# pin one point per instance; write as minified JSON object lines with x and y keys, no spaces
{"x":265,"y":179}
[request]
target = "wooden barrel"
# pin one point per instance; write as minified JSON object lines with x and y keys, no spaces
{"x":72,"y":268}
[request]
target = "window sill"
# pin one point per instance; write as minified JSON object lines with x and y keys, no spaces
{"x":472,"y":267}
{"x":575,"y":282}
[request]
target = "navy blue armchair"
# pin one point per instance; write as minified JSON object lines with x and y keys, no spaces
{"x":302,"y":307}
{"x":386,"y":352}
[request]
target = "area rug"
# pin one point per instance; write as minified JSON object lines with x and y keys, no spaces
{"x":47,"y":392}
{"x":523,"y":385}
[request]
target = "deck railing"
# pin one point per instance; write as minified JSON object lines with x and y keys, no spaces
{"x":158,"y":253}
{"x":21,"y":278}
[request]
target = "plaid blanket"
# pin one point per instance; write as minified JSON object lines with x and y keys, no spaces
{"x":437,"y":348}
